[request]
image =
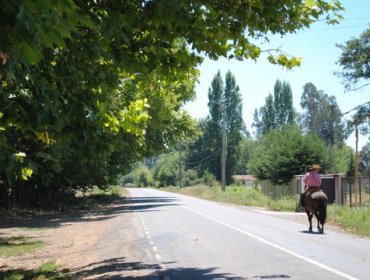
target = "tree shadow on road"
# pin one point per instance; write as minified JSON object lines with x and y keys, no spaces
{"x":117,"y":268}
{"x":73,"y":215}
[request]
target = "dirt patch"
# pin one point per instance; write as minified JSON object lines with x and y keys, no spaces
{"x":92,"y":245}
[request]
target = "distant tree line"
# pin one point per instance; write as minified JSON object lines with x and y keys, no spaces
{"x":286,"y":143}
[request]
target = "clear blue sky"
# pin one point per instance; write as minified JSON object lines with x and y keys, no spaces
{"x":317,"y":47}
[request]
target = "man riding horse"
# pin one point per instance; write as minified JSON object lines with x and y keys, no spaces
{"x":313,"y":199}
{"x":312,"y":181}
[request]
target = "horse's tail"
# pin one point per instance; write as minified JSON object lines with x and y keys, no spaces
{"x":322,"y":210}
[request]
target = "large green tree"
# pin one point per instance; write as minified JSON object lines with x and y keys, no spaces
{"x":234,"y":124}
{"x":89,"y":86}
{"x":322,"y":115}
{"x":355,"y":61}
{"x":225,"y":108}
{"x":285,"y":152}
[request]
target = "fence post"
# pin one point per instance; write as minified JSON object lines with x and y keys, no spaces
{"x":350,"y":194}
{"x":338,"y":188}
{"x":360,"y":188}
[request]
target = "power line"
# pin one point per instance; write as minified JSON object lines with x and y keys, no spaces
{"x":209,"y":157}
{"x":334,"y":28}
{"x":198,"y":155}
{"x":357,"y":107}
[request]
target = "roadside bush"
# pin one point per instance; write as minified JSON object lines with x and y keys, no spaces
{"x":142,"y":177}
{"x":191,"y":178}
{"x":127,"y":179}
{"x":209,"y":179}
{"x":167,"y":176}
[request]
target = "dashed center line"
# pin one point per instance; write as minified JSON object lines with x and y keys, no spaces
{"x":153,"y":247}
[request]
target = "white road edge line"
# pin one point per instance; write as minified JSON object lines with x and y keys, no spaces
{"x":328,"y":268}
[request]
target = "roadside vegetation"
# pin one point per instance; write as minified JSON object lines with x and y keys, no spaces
{"x":49,"y":270}
{"x":355,"y":220}
{"x":18,"y":245}
{"x":238,"y":195}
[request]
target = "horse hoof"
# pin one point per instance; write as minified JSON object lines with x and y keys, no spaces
{"x":310,"y":229}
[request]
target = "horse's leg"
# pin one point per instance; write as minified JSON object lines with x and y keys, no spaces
{"x":318,"y":221}
{"x":309,"y":215}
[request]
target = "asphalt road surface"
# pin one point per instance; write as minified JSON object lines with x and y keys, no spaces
{"x":189,"y":238}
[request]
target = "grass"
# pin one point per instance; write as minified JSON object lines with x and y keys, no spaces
{"x":353,"y":220}
{"x":239,"y":195}
{"x":49,"y":270}
{"x":95,"y":198}
{"x":18,"y":245}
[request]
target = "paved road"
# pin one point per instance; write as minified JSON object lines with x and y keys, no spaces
{"x":191,"y":238}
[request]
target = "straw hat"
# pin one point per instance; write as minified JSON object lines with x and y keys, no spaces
{"x":315,"y":167}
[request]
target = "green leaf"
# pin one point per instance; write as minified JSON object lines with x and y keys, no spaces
{"x":26,"y":173}
{"x":29,"y":54}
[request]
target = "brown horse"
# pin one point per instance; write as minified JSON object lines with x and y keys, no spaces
{"x":316,"y":204}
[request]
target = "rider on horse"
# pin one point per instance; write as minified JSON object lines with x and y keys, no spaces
{"x":312,"y":181}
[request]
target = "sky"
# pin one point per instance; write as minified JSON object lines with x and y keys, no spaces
{"x":317,"y":47}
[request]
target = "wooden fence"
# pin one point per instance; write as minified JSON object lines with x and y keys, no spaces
{"x":339,"y":189}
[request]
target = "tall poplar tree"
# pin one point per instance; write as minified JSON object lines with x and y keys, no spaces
{"x":224,"y":102}
{"x":268,"y":115}
{"x":277,"y":111}
{"x":234,"y":123}
{"x":257,"y":123}
{"x":213,"y":132}
{"x":283,"y":103}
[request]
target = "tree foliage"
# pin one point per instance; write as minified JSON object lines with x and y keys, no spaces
{"x":216,"y":28}
{"x":225,"y":105}
{"x":355,"y":61}
{"x":277,"y":111}
{"x":283,"y":153}
{"x":341,"y":159}
{"x":322,"y":116}
{"x":246,"y":146}
{"x":87,"y":87}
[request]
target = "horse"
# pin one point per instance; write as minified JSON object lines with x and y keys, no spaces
{"x":316,"y":204}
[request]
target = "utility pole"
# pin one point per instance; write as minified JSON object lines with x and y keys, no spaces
{"x":331,"y":134}
{"x":356,"y":163}
{"x":224,"y":148}
{"x":180,"y":175}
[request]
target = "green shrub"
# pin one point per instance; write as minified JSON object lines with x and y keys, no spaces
{"x":142,"y":177}
{"x":190,"y":178}
{"x":209,"y":179}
